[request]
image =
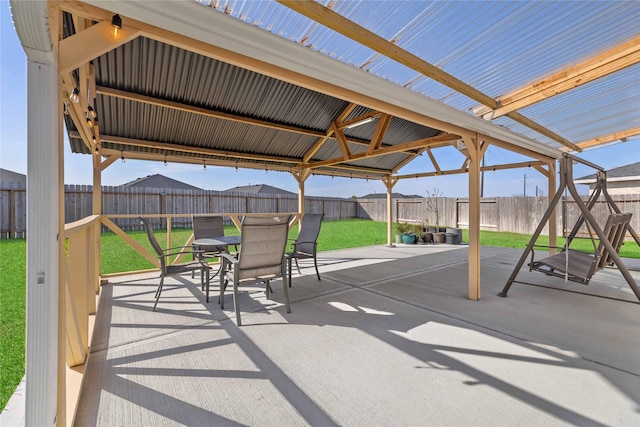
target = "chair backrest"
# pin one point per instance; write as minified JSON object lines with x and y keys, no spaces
{"x":152,"y":239}
{"x":262,"y":246}
{"x":208,"y":226}
{"x":309,"y":231}
{"x":615,"y":229}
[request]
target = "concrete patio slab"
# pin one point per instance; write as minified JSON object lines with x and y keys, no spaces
{"x":386,"y":340}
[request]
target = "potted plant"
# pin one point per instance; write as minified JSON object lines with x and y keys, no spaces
{"x":433,"y":205}
{"x":398,"y":233}
{"x":407,"y":232}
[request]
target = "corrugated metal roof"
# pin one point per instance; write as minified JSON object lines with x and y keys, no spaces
{"x":150,"y":68}
{"x":496,"y":47}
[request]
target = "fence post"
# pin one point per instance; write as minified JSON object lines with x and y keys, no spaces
{"x":12,"y":214}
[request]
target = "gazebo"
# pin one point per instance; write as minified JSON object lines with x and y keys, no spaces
{"x":301,"y":87}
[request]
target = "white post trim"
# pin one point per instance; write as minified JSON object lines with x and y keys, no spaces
{"x":42,"y":243}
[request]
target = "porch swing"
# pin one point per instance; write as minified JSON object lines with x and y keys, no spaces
{"x":579,"y":266}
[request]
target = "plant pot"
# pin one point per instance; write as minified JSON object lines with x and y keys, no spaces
{"x":427,"y":237}
{"x":458,"y":235}
{"x":398,"y":238}
{"x":439,"y":237}
{"x":409,"y":239}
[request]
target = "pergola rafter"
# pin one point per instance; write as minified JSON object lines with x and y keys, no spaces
{"x":601,"y":65}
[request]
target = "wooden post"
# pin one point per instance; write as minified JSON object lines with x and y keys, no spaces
{"x":301,"y":176}
{"x":389,"y":182}
{"x":473,"y":148}
{"x":553,"y":226}
{"x":96,"y":210}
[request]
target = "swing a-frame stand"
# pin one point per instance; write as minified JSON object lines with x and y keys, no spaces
{"x":574,"y":265}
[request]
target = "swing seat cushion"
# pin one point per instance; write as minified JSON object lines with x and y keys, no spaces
{"x":581,"y":265}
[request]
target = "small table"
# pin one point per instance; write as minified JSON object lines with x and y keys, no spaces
{"x":218,"y":241}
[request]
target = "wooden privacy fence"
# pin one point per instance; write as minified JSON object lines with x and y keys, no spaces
{"x":513,"y":214}
{"x":13,"y":210}
{"x":154,"y":201}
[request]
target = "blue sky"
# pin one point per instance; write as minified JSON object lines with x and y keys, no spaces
{"x":13,"y":153}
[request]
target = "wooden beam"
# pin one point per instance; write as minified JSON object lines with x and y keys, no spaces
{"x":108,"y":162}
{"x":406,"y":161}
{"x":89,"y":44}
{"x":516,"y":149}
{"x":381,"y":129}
{"x":133,"y":243}
{"x":121,"y":94}
{"x":195,"y":150}
{"x":514,"y":115}
{"x":325,"y":16}
{"x":138,"y":155}
{"x":390,"y":149}
{"x":534,"y":164}
{"x":76,"y":113}
{"x":433,"y":160}
{"x":587,"y":71}
{"x":342,"y":141}
{"x":344,"y":170}
{"x":321,"y":141}
{"x":594,"y":142}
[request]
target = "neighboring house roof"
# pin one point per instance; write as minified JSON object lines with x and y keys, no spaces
{"x":159,"y":181}
{"x":10,"y":176}
{"x":393,"y":195}
{"x":259,"y":189}
{"x":630,"y":172}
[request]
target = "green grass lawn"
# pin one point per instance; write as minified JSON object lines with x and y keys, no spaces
{"x":118,"y":256}
{"x":12,"y":315}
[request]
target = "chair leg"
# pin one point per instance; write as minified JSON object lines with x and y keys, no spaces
{"x":289,"y":261}
{"x":286,"y":286}
{"x":298,"y":267}
{"x":315,"y":262}
{"x":267,"y":289}
{"x":223,"y":284}
{"x":203,"y":272}
{"x":236,"y":305}
{"x":158,"y":291}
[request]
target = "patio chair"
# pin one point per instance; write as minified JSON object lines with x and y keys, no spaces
{"x":208,"y":226}
{"x":167,"y":269}
{"x":261,"y":257}
{"x":305,"y":246}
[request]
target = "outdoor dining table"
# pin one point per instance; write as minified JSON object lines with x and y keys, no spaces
{"x":217,"y":241}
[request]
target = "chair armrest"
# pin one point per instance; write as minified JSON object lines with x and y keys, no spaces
{"x":228,"y":257}
{"x":187,"y":252}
